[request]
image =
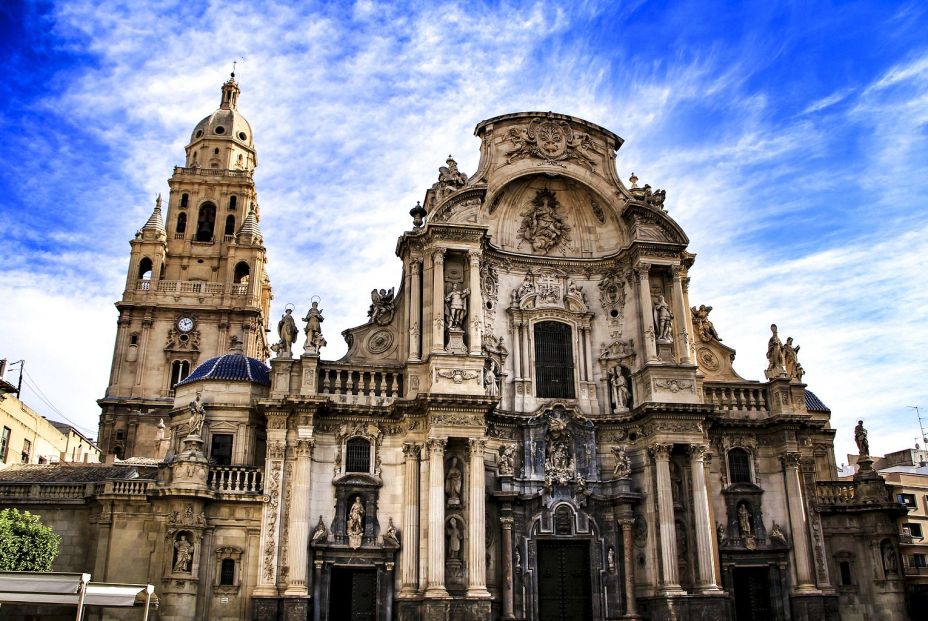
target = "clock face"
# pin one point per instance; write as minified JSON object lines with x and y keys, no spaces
{"x":185,"y":324}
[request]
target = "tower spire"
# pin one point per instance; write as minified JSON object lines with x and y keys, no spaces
{"x":155,"y":222}
{"x":249,"y":233}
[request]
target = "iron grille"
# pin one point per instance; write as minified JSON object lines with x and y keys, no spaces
{"x":357,"y":455}
{"x":554,"y":360}
{"x":739,"y":466}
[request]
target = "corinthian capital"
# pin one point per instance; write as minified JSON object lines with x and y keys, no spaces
{"x":438,"y":256}
{"x":436,"y":446}
{"x":698,"y":452}
{"x":790,"y":460}
{"x":660,"y":452}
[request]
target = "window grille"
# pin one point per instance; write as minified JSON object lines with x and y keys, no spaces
{"x":554,"y":360}
{"x":358,"y":455}
{"x":739,"y":465}
{"x":227,"y":572}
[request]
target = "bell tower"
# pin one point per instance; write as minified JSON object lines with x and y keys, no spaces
{"x":196,"y":282}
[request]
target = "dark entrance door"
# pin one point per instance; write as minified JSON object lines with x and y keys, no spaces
{"x":564,"y":588}
{"x":752,"y":594}
{"x":353,"y":594}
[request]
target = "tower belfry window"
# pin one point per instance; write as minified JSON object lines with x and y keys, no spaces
{"x":230,"y":225}
{"x":206,"y":222}
{"x":181,"y":223}
{"x":554,"y":360}
{"x":145,"y":269}
{"x":184,"y":200}
{"x":233,"y":201}
{"x":241,"y":272}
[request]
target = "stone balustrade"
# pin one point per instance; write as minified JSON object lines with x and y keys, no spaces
{"x":732,"y":397}
{"x":58,"y":492}
{"x":127,"y":487}
{"x":212,"y":172}
{"x":374,"y":386}
{"x":235,"y":479}
{"x":191,"y":287}
{"x":835,"y":493}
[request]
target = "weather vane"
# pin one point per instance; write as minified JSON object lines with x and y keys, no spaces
{"x":234,"y":63}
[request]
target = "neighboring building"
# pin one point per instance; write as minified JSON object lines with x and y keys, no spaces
{"x":26,"y":437}
{"x":906,"y":475}
{"x":534,"y":423}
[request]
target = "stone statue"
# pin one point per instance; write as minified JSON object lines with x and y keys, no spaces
{"x":663,"y":319}
{"x":889,"y":559}
{"x":183,"y":555}
{"x":619,"y":386}
{"x":506,"y":462}
{"x":287,"y":330}
{"x":744,"y":521}
{"x":542,"y":226}
{"x":455,"y":539}
{"x":790,"y":361}
{"x":703,"y":325}
{"x":777,"y":535}
{"x":721,"y":535}
{"x":527,"y":286}
{"x":313,"y":329}
{"x":391,"y":537}
{"x":610,"y":560}
{"x":449,"y":177}
{"x":490,"y":384}
{"x":860,"y":437}
{"x":774,"y":354}
{"x":456,"y":303}
{"x":356,"y":518}
{"x":623,"y":465}
{"x":197,"y":417}
{"x":454,"y":482}
{"x":320,"y":534}
{"x":518,"y":561}
{"x":382,"y":306}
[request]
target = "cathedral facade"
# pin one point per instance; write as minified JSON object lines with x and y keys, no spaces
{"x":535,"y":423}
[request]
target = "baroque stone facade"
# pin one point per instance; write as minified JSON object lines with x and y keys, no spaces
{"x":534,"y":423}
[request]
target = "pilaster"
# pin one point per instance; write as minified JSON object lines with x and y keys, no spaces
{"x":476,"y":551}
{"x":436,"y":551}
{"x":797,"y":520}
{"x":670,"y":582}
{"x":647,"y":311}
{"x":704,"y":532}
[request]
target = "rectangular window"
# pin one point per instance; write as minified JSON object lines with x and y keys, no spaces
{"x":221,"y":449}
{"x":554,"y":360}
{"x":919,"y":560}
{"x":914,"y":529}
{"x":227,"y":572}
{"x":27,"y":450}
{"x":846,"y":573}
{"x":357,"y":455}
{"x":5,"y":444}
{"x":906,"y":499}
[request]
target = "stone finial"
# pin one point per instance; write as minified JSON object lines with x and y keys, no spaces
{"x":418,"y":213}
{"x":633,"y":180}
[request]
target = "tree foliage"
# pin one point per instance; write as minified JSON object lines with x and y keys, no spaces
{"x":26,"y":544}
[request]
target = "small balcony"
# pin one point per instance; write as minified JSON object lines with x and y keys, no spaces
{"x":236,"y":480}
{"x":734,"y":397}
{"x":374,"y":386}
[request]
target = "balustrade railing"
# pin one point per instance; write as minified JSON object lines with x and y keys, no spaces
{"x":360,"y":385}
{"x":193,"y":287}
{"x":235,"y":479}
{"x":212,"y":172}
{"x":832,"y":493}
{"x":736,"y":397}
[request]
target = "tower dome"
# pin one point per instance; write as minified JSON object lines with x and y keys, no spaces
{"x":223,"y":139}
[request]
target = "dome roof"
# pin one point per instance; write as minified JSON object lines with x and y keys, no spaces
{"x":234,"y":367}
{"x":224,"y":123}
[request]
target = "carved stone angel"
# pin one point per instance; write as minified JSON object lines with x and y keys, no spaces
{"x":382,"y":306}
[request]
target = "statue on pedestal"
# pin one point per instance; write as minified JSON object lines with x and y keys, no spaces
{"x":183,"y":555}
{"x":663,"y":320}
{"x":456,"y":306}
{"x":313,"y":329}
{"x":355,"y":523}
{"x":860,"y":437}
{"x":774,"y":354}
{"x":287,"y":331}
{"x":454,"y":483}
{"x":197,"y":417}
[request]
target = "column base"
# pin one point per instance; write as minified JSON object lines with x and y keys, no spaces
{"x":438,"y":592}
{"x":408,"y":593}
{"x":264,"y":591}
{"x":478,"y":593}
{"x":671,"y":590}
{"x":711,"y":590}
{"x":296,"y":590}
{"x":805,"y":589}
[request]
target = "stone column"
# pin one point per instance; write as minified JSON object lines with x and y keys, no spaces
{"x":517,"y":351}
{"x":415,"y":307}
{"x":647,"y":311}
{"x":670,"y":584}
{"x":628,"y":549}
{"x":680,"y":316}
{"x":388,"y":599}
{"x":506,"y":543}
{"x":436,"y":586}
{"x":704,"y":531}
{"x":476,"y":548}
{"x":527,"y":354}
{"x":317,"y":590}
{"x":270,"y":520}
{"x":797,"y":523}
{"x":423,"y":543}
{"x":409,"y":553}
{"x":474,"y":304}
{"x":438,"y":300}
{"x":299,"y":518}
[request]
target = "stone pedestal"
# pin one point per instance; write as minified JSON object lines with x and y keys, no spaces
{"x":456,"y":341}
{"x":294,"y":608}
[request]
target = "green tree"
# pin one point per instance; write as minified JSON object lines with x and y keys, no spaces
{"x":26,"y":544}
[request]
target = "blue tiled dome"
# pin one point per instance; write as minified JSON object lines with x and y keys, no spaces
{"x":234,"y":367}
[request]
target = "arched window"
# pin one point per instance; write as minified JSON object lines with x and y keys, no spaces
{"x":145,"y":269}
{"x":739,"y":465}
{"x":227,"y":572}
{"x":181,"y":223}
{"x":554,"y":360}
{"x":233,"y":201}
{"x":206,"y":222}
{"x":357,"y":455}
{"x":180,"y":369}
{"x":242,"y":272}
{"x":185,"y":198}
{"x":230,"y":225}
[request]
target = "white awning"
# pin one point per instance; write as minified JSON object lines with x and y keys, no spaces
{"x":71,"y":589}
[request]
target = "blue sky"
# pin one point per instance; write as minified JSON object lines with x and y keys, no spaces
{"x":790,"y":137}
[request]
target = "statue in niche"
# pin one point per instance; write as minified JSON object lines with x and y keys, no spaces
{"x":287,"y":331}
{"x":454,"y":483}
{"x":506,"y":462}
{"x":744,"y":521}
{"x":320,"y":534}
{"x":382,"y":307}
{"x":889,"y":559}
{"x":774,"y":354}
{"x":610,"y":560}
{"x":721,"y":534}
{"x":623,"y":465}
{"x":456,"y":306}
{"x":558,"y":466}
{"x":860,"y":437}
{"x":491,"y":379}
{"x":183,"y":555}
{"x":313,"y":329}
{"x":542,"y":226}
{"x":355,"y":523}
{"x":663,"y":320}
{"x":777,"y":535}
{"x":703,"y":325}
{"x":518,"y":561}
{"x":455,"y":539}
{"x":790,"y":360}
{"x":197,"y":417}
{"x":391,"y":537}
{"x":619,"y":387}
